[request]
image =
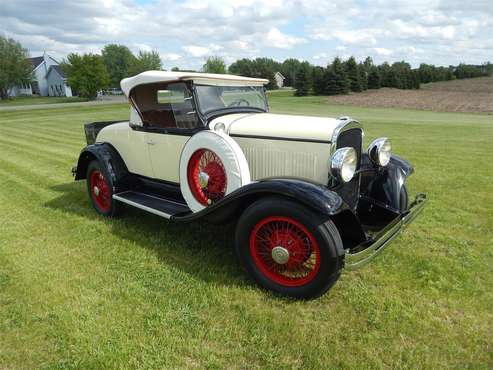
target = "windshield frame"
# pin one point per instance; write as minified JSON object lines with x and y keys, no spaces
{"x":227,"y":110}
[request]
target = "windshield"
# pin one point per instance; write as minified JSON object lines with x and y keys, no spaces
{"x":213,"y":98}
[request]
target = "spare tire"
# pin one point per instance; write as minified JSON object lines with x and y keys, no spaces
{"x":212,"y":165}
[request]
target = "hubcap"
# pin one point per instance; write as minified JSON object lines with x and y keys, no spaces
{"x":100,"y":191}
{"x":203,"y":179}
{"x":206,"y":177}
{"x":285,"y":251}
{"x":280,"y":255}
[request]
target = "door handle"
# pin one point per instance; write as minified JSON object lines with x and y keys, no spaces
{"x":150,"y":142}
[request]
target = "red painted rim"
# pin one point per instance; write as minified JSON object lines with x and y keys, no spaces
{"x":207,"y":162}
{"x":304,"y":253}
{"x":100,"y":191}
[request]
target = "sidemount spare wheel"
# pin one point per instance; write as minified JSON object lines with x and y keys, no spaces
{"x":212,"y":165}
{"x":100,"y":190}
{"x":288,"y":249}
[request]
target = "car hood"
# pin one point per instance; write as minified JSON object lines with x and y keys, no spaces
{"x":271,"y":125}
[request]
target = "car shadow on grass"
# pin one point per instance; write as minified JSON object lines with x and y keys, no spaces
{"x":204,"y":250}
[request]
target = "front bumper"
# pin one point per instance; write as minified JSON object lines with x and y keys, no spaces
{"x":382,"y":240}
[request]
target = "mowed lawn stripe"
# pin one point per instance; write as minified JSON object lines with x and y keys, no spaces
{"x":41,"y":137}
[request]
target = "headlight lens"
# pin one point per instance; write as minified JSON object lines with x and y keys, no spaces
{"x":380,"y":151}
{"x":343,"y":164}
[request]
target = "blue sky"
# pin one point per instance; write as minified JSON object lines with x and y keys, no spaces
{"x":186,"y":32}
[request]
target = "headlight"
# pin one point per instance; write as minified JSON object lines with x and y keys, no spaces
{"x":343,"y":164}
{"x":380,"y":151}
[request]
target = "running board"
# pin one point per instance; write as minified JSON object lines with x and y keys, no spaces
{"x":159,"y":206}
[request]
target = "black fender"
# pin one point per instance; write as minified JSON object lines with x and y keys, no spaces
{"x":318,"y":198}
{"x":384,"y":184}
{"x":314,"y":196}
{"x":108,"y":156}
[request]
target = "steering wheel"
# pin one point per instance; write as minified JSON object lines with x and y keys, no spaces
{"x":237,"y":103}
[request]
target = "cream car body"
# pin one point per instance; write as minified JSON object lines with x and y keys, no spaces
{"x":273,"y":144}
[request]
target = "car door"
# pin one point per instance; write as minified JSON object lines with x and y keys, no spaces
{"x":171,"y":121}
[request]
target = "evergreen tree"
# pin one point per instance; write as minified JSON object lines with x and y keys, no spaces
{"x":368,"y":64}
{"x":303,"y":80}
{"x":337,"y":81}
{"x":363,"y":76}
{"x":318,"y":77}
{"x":289,"y":69}
{"x":331,"y":84}
{"x":353,"y":75}
{"x":374,"y":78}
{"x":415,"y":79}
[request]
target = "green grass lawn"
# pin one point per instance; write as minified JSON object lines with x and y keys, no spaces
{"x":35,"y":100}
{"x":80,"y":291}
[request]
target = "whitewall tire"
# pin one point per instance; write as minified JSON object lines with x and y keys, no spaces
{"x":212,"y":165}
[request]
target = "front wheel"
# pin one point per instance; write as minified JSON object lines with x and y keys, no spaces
{"x":288,"y":249}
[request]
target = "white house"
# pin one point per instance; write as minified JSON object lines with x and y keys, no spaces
{"x":49,"y":79}
{"x":279,"y":79}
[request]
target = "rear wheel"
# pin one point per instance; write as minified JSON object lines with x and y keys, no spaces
{"x":288,"y":249}
{"x":100,"y":190}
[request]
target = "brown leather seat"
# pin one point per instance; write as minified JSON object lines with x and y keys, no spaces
{"x":159,"y":118}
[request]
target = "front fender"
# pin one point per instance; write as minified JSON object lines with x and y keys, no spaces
{"x":316,"y":197}
{"x":109,"y":157}
{"x":385,"y":183}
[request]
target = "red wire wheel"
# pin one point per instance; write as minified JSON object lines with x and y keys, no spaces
{"x":100,"y":191}
{"x":206,"y":177}
{"x":285,"y":251}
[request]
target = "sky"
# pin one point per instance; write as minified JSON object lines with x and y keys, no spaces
{"x":186,"y":32}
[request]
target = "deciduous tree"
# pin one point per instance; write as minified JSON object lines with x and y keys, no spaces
{"x":145,"y":61}
{"x":214,"y":65}
{"x":87,"y":74}
{"x":15,"y":68}
{"x":118,"y":59}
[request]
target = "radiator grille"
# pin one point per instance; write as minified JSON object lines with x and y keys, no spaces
{"x":265,"y":162}
{"x":350,"y":191}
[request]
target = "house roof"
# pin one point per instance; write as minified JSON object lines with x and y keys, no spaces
{"x":58,"y":69}
{"x":36,"y":61}
{"x":280,"y":75}
{"x":128,"y":84}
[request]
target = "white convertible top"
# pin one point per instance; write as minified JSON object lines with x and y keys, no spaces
{"x":128,"y":84}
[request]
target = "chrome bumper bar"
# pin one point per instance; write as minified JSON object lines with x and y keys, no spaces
{"x":356,"y":260}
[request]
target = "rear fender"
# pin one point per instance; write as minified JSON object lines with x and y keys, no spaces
{"x":108,"y":156}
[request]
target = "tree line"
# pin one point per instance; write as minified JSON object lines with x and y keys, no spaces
{"x":89,"y":73}
{"x":341,"y":77}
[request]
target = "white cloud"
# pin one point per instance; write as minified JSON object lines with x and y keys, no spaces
{"x":277,"y":39}
{"x":383,"y":51}
{"x":171,"y":57}
{"x":435,"y":31}
{"x":196,"y":51}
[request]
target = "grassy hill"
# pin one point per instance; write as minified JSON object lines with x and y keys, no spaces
{"x":473,"y":95}
{"x":80,"y":291}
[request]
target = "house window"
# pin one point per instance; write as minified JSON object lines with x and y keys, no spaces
{"x":165,"y":106}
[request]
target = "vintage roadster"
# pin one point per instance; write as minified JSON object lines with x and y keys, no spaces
{"x":307,"y":201}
